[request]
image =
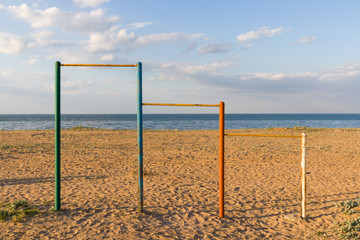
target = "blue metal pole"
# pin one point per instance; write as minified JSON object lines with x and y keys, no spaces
{"x":140,"y":137}
{"x":57,"y":135}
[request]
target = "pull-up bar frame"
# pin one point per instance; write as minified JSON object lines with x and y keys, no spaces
{"x":58,"y":66}
{"x":221,"y":107}
{"x":303,"y":162}
{"x":222,"y":134}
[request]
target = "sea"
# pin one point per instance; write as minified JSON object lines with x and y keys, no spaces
{"x":178,"y":121}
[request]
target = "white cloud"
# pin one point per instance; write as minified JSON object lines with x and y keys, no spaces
{"x":1,"y":6}
{"x":93,"y":21}
{"x":140,"y":25}
{"x":276,"y":76}
{"x":72,"y":56}
{"x":43,"y":39}
{"x":14,"y":77}
{"x":6,"y":73}
{"x":305,"y":40}
{"x":43,"y":34}
{"x":114,"y":39}
{"x":187,"y":71}
{"x":75,"y":87}
{"x":11,"y":44}
{"x":72,"y":85}
{"x":108,"y":57}
{"x":110,"y":40}
{"x":50,"y":43}
{"x":215,"y":47}
{"x":341,"y":73}
{"x":247,"y":46}
{"x":104,"y":36}
{"x":341,"y":81}
{"x":191,"y":68}
{"x":165,"y":37}
{"x":213,"y":67}
{"x":33,"y":60}
{"x":90,"y":3}
{"x":263,"y":32}
{"x":37,"y":18}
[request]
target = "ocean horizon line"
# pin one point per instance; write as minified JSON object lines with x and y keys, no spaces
{"x":187,"y":121}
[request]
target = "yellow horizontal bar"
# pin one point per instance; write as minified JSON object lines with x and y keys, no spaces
{"x":176,"y":104}
{"x":261,"y":135}
{"x":99,"y":65}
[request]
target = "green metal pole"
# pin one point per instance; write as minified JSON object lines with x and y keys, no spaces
{"x":57,"y":135}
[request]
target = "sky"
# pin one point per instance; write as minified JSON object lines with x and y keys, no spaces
{"x":257,"y":56}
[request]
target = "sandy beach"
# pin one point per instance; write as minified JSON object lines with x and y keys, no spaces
{"x":99,"y":184}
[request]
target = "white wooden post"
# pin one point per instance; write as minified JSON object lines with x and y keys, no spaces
{"x":303,"y":176}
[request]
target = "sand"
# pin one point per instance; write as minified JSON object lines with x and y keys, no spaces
{"x":99,"y":184}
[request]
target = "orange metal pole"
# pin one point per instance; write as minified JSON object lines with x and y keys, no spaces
{"x":221,"y":158}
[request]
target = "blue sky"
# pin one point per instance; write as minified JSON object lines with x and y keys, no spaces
{"x":257,"y":56}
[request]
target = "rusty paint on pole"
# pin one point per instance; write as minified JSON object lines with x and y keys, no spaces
{"x":262,"y":135}
{"x":181,"y":105}
{"x":303,"y":176}
{"x":221,"y":159}
{"x":99,"y":65}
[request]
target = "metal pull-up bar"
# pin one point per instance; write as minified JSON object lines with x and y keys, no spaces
{"x":181,"y":105}
{"x":221,"y":107}
{"x":99,"y":65}
{"x":303,"y":162}
{"x":58,"y":66}
{"x":262,"y":135}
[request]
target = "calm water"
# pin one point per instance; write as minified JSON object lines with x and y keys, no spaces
{"x":179,"y":121}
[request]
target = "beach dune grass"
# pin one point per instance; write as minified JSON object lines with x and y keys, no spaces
{"x":17,"y":210}
{"x":348,"y":229}
{"x":83,"y":128}
{"x":350,"y":206}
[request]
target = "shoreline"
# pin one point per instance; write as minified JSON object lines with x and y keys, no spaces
{"x":182,"y":121}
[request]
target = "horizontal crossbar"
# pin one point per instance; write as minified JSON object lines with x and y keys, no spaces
{"x":262,"y":135}
{"x":99,"y":65}
{"x":183,"y":105}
